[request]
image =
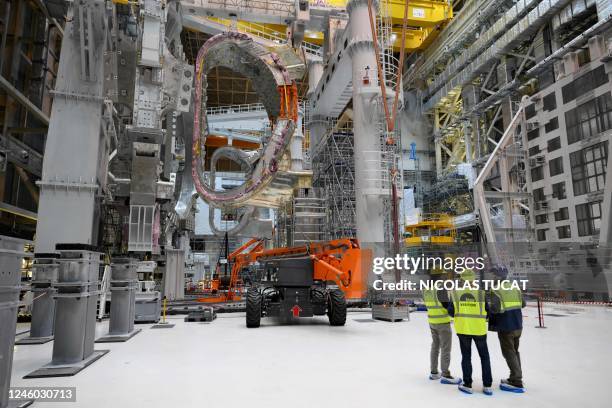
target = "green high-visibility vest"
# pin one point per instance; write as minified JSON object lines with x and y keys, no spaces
{"x":470,"y":312}
{"x":510,"y":299}
{"x":436,"y":313}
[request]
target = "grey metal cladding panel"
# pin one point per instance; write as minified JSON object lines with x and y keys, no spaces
{"x":121,"y":189}
{"x":126,"y":63}
{"x":144,"y":180}
{"x":142,"y":198}
{"x":70,"y":153}
{"x":71,"y":150}
{"x":55,"y":207}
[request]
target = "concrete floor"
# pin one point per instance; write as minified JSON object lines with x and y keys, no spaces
{"x":363,"y":364}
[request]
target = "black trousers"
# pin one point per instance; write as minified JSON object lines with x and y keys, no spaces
{"x":465,"y":342}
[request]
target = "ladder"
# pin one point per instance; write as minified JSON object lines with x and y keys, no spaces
{"x":104,"y":290}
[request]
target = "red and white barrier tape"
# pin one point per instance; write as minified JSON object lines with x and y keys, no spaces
{"x":575,"y":302}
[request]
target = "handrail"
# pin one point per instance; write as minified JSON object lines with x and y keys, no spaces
{"x":261,"y":31}
{"x":250,"y":107}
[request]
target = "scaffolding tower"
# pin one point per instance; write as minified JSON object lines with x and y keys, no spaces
{"x":301,"y":220}
{"x":333,"y":168}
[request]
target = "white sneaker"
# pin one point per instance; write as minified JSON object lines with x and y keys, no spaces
{"x":433,"y":376}
{"x":487,"y":390}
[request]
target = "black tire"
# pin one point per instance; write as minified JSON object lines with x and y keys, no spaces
{"x":318,"y":299}
{"x":336,"y":308}
{"x":253,"y":308}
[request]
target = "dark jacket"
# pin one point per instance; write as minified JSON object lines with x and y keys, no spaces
{"x":443,"y":298}
{"x":506,"y":321}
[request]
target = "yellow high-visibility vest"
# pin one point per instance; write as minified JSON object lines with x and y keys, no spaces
{"x":510,"y":299}
{"x":436,"y":313}
{"x":470,"y":312}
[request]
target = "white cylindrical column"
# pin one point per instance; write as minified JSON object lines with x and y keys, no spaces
{"x":297,"y":142}
{"x":370,"y":215}
{"x":315,"y":72}
{"x":317,"y":126}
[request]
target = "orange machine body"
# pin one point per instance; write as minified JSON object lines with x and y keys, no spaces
{"x":340,"y":261}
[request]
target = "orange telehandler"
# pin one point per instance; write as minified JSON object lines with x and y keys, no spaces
{"x":301,"y":281}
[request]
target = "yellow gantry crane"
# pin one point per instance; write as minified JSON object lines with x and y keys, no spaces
{"x":425,"y":20}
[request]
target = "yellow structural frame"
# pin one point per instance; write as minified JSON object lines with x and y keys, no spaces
{"x":420,"y":12}
{"x":425,"y":19}
{"x":440,"y":229}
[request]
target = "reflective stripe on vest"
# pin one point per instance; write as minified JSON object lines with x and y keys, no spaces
{"x":470,"y":312}
{"x":436,"y":313}
{"x":510,"y":299}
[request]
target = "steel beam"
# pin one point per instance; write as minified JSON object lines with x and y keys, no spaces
{"x":26,"y":130}
{"x":479,"y":192}
{"x":7,"y":13}
{"x":11,"y":209}
{"x":23,"y":100}
{"x":272,"y":12}
{"x":506,"y":194}
{"x":22,"y":155}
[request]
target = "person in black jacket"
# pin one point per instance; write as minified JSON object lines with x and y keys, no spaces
{"x":507,"y":320}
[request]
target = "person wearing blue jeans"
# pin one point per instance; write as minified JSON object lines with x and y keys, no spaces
{"x":465,"y":342}
{"x":470,"y":310}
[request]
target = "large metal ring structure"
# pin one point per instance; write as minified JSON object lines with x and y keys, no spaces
{"x":278,"y":92}
{"x":245,"y":213}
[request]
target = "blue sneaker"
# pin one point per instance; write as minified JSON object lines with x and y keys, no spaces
{"x":450,"y":380}
{"x":434,"y":377}
{"x":487,"y":390}
{"x":465,"y":389}
{"x":505,"y":386}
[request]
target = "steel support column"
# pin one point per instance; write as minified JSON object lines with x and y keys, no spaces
{"x":605,"y":234}
{"x":370,"y":217}
{"x":74,"y":174}
{"x":76,"y":151}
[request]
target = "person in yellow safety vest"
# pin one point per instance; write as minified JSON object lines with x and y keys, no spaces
{"x":507,"y":320}
{"x":441,"y":333}
{"x":469,"y":308}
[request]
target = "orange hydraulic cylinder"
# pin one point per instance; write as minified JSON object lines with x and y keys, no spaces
{"x":354,"y":263}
